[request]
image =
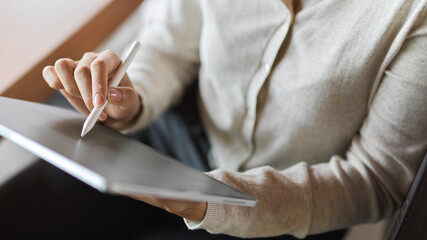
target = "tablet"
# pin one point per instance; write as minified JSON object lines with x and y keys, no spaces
{"x":106,"y":159}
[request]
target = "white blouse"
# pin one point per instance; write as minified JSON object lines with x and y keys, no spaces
{"x":319,"y":110}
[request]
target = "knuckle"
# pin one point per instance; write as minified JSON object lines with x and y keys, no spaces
{"x":61,"y":64}
{"x":112,"y":55}
{"x":98,"y":64}
{"x":89,"y":55}
{"x":81,"y":73}
{"x":108,"y":52}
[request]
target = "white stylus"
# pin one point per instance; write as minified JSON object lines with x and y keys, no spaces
{"x":115,"y":80}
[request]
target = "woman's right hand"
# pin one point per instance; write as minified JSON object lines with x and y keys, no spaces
{"x":85,"y":85}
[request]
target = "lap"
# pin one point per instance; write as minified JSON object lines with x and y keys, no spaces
{"x":43,"y":202}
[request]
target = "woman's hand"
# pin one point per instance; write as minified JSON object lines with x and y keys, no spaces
{"x":85,"y":85}
{"x":194,"y":211}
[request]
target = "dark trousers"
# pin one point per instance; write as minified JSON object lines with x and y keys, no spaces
{"x":43,"y":202}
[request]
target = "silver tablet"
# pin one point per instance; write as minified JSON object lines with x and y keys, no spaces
{"x":105,"y":159}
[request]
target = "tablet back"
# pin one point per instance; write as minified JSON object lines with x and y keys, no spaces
{"x":105,"y":159}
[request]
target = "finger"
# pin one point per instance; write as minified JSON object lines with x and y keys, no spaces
{"x":64,"y":68}
{"x":76,"y":102}
{"x":49,"y":75}
{"x":123,"y":96}
{"x":125,"y":103}
{"x":195,"y":211}
{"x":82,"y":76}
{"x":105,"y":64}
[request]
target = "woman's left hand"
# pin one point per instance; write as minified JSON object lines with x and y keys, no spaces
{"x":194,"y":211}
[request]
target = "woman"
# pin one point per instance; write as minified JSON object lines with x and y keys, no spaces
{"x":315,"y":108}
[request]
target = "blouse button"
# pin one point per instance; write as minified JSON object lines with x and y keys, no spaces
{"x":266,"y":68}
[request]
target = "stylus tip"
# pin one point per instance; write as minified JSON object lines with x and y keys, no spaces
{"x":84,"y":132}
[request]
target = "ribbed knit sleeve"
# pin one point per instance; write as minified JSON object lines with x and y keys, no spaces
{"x":366,"y":184}
{"x":168,"y":60}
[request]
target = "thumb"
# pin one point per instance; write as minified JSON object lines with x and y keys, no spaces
{"x":123,"y":96}
{"x":124,"y":103}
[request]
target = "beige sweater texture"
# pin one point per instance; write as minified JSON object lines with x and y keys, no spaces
{"x":321,"y":115}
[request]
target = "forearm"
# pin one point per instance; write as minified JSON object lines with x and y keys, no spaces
{"x":367,"y":183}
{"x":168,"y":60}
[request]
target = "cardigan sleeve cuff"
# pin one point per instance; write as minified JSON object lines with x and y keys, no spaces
{"x":214,"y":213}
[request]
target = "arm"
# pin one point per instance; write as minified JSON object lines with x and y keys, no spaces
{"x":169,"y":58}
{"x":368,"y":183}
{"x":166,"y":63}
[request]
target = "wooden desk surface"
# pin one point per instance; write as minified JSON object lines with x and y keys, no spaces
{"x":36,"y":33}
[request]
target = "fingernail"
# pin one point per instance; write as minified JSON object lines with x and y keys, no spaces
{"x":115,"y":95}
{"x":97,"y":100}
